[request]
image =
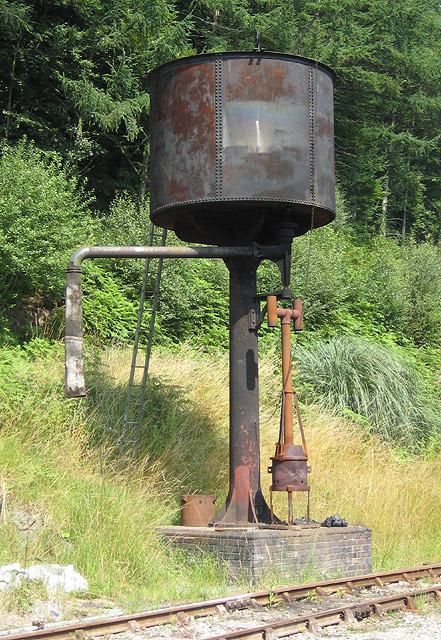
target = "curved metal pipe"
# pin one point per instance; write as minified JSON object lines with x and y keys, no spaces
{"x":170,"y":252}
{"x":74,"y":362}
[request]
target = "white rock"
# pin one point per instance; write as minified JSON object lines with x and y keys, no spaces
{"x":54,"y":576}
{"x":57,"y":577}
{"x":9,"y":573}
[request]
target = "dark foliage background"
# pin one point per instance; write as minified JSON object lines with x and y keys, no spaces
{"x":74,"y":170}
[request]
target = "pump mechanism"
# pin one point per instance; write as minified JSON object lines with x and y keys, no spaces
{"x":290,"y":462}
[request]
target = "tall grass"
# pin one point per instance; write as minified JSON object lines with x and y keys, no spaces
{"x":354,"y":473}
{"x":57,"y":460}
{"x":89,"y":511}
{"x":373,"y":385}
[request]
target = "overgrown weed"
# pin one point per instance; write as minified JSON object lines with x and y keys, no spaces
{"x":101,"y":515}
{"x":374,"y":386}
{"x":22,"y":594}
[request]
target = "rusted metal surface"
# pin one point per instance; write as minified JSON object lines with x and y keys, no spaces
{"x":286,"y":316}
{"x":171,"y":252}
{"x":277,"y":595}
{"x":235,"y":145}
{"x":237,"y":140}
{"x":241,"y":153}
{"x":74,"y":365}
{"x":197,"y":510}
{"x":316,"y":621}
{"x":289,"y":470}
{"x":289,"y":466}
{"x":297,"y":306}
{"x":245,"y":502}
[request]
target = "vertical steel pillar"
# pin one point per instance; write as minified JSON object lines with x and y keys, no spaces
{"x":245,"y":502}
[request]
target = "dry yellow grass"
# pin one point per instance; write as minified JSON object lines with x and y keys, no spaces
{"x":353,"y":474}
{"x":367,"y":482}
{"x":102,"y":518}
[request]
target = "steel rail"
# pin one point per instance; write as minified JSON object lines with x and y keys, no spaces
{"x":314,"y":622}
{"x":147,"y":619}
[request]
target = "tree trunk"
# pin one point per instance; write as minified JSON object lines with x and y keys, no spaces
{"x":404,"y":223}
{"x":384,"y":203}
{"x":383,"y":225}
{"x":406,"y":197}
{"x":11,"y":82}
{"x":143,"y":178}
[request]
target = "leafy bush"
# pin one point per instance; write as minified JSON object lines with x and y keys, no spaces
{"x":43,"y":216}
{"x":321,"y":274}
{"x":371,"y":288}
{"x":193,"y":295}
{"x":108,"y":313}
{"x":125,"y":223}
{"x":194,"y":302}
{"x":373,"y":384}
{"x":404,"y":285}
{"x":22,"y":595}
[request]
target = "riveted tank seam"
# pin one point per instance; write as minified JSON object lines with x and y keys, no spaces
{"x":218,"y":136}
{"x":244,"y":198}
{"x":206,"y":57}
{"x":311,"y":133}
{"x":256,"y":144}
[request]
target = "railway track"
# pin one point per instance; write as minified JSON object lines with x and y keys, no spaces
{"x":322,"y":592}
{"x":330,"y":617}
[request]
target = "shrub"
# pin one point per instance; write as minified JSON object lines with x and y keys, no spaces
{"x":126,"y":223}
{"x":108,"y":314}
{"x":404,"y":285}
{"x":193,"y":294}
{"x":43,"y":216}
{"x":373,"y":384}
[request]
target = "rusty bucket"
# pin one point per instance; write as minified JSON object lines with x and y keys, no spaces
{"x":197,"y":510}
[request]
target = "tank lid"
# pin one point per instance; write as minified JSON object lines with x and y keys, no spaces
{"x":201,"y":57}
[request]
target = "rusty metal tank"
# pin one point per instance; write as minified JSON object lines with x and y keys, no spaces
{"x":239,"y":143}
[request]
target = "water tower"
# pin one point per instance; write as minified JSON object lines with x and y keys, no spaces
{"x":242,"y":158}
{"x":242,"y":155}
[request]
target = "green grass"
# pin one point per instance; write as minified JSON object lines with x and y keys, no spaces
{"x":95,"y":515}
{"x":22,"y":596}
{"x":58,"y":462}
{"x":373,"y":385}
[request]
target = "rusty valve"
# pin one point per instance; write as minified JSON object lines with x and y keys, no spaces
{"x":290,"y":462}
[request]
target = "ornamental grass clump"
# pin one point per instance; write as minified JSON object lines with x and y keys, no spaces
{"x":373,"y":385}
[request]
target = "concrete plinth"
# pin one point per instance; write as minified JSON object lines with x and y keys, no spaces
{"x":250,"y":553}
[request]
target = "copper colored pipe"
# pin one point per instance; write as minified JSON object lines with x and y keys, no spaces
{"x":287,"y":376}
{"x":271,"y":304}
{"x":286,"y":316}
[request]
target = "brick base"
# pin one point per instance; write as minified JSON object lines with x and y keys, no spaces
{"x":250,"y":554}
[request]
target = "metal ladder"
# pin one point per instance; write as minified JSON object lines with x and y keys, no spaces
{"x":134,"y":406}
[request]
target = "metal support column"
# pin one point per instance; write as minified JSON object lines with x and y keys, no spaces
{"x":245,"y":502}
